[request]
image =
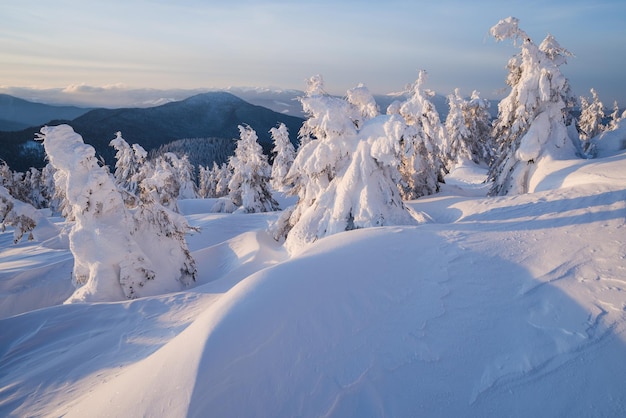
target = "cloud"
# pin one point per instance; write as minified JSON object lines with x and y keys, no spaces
{"x":111,"y":96}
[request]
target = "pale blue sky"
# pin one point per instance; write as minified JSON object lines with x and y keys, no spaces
{"x":204,"y":44}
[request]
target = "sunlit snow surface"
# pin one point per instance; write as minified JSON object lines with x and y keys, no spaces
{"x":507,"y":306}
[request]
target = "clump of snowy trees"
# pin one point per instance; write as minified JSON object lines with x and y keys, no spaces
{"x":468,"y":130}
{"x":345,"y":173}
{"x":19,"y":215}
{"x":123,"y":248}
{"x":593,"y":122}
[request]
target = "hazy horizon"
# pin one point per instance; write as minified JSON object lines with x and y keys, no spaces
{"x":85,"y":48}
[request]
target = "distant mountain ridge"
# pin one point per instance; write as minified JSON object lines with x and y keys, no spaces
{"x":17,"y":114}
{"x":212,"y":114}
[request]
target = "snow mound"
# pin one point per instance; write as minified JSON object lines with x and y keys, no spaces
{"x":610,"y":142}
{"x":501,"y":306}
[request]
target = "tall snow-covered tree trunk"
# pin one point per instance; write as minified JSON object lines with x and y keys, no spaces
{"x":118,"y":253}
{"x":531,"y":125}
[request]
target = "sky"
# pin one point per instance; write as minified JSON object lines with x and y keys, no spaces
{"x":193,"y":44}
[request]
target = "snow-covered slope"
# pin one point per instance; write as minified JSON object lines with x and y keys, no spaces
{"x":506,"y":306}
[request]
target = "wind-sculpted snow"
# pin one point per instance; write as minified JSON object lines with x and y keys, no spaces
{"x":500,"y":306}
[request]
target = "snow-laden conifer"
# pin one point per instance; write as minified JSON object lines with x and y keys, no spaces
{"x":34,"y":183}
{"x":249,"y":187}
{"x":458,"y":135}
{"x":19,"y":215}
{"x":590,"y":123}
{"x":531,"y":123}
{"x":222,"y":175}
{"x":118,"y":253}
{"x":206,"y":182}
{"x":346,"y":178}
{"x":184,"y":172}
{"x":47,"y":187}
{"x":129,"y":166}
{"x":591,"y":117}
{"x":283,"y":158}
{"x":13,"y":182}
{"x":167,"y":179}
{"x":422,"y":166}
{"x":615,"y":117}
{"x":468,"y":130}
{"x":478,"y":122}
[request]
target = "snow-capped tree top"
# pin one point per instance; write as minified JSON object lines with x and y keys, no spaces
{"x":418,"y":106}
{"x":363,"y":100}
{"x":476,"y":101}
{"x":328,"y":116}
{"x":118,"y":142}
{"x":315,"y":86}
{"x":508,"y":29}
{"x":554,"y":50}
{"x":66,"y":149}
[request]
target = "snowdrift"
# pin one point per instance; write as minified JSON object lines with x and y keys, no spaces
{"x":502,"y":306}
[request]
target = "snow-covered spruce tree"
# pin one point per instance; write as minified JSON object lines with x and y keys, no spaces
{"x":531,"y":124}
{"x":591,"y":117}
{"x":185,"y":173}
{"x":118,"y":253}
{"x":347,"y":177}
{"x":19,"y":215}
{"x":468,"y":131}
{"x":54,"y":186}
{"x":284,"y":156}
{"x":422,"y":166}
{"x":458,"y":135}
{"x":249,"y":187}
{"x":47,"y":187}
{"x":222,"y":178}
{"x":130,"y":161}
{"x":478,"y":122}
{"x":13,"y":182}
{"x":6,"y":176}
{"x":36,"y":195}
{"x":214,"y":181}
{"x":206,"y":182}
{"x":160,"y":182}
{"x":615,"y":117}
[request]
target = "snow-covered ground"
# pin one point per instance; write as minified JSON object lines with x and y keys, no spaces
{"x":503,"y":306}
